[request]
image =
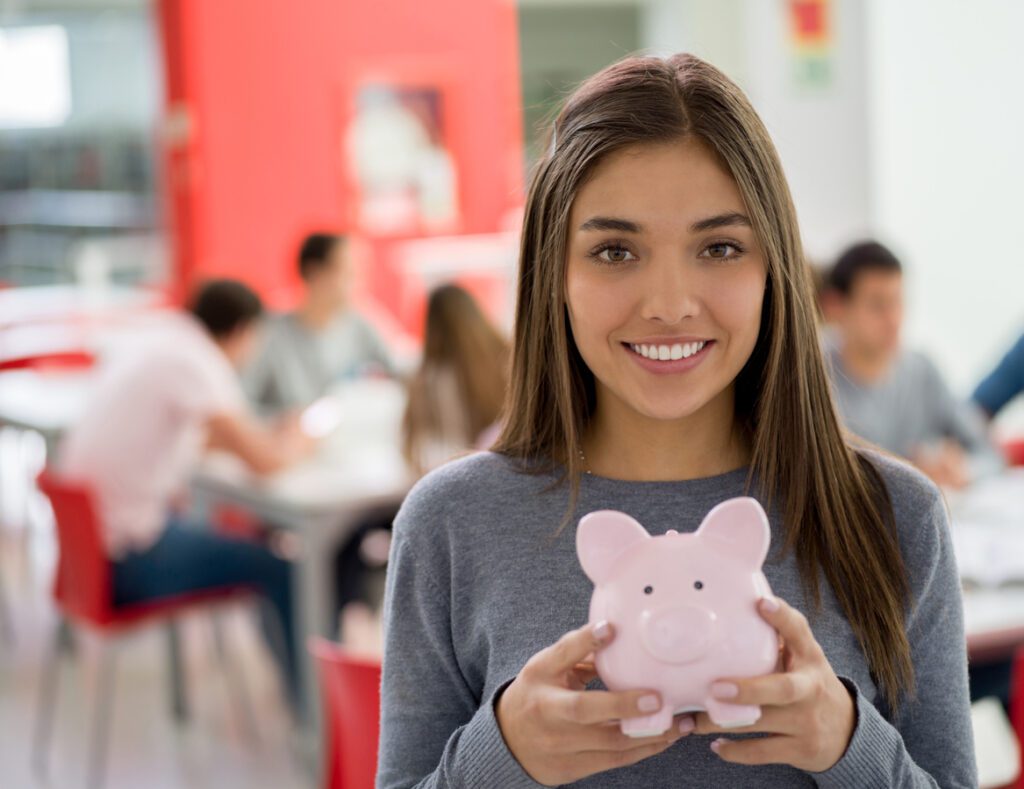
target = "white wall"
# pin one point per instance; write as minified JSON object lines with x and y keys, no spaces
{"x":946,"y":87}
{"x":821,"y":132}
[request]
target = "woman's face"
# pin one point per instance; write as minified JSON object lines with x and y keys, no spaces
{"x":664,"y":279}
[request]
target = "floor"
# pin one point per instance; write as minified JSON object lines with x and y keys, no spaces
{"x":147,"y":748}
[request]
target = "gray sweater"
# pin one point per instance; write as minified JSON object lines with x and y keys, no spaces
{"x":294,"y":365}
{"x":910,"y":409}
{"x":476,"y":585}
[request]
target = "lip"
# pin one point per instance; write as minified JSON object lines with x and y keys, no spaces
{"x":670,"y":366}
{"x":681,"y":340}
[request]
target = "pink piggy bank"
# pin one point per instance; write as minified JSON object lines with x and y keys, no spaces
{"x":684,"y":609}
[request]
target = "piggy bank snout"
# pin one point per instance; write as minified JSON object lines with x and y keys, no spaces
{"x":677,"y":634}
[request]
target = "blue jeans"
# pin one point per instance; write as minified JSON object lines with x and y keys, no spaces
{"x":190,"y":558}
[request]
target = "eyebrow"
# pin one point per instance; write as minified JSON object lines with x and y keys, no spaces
{"x":728,"y":219}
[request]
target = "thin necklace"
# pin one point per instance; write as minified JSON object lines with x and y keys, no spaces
{"x":583,"y":462}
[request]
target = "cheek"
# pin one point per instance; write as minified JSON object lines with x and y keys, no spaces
{"x":596,"y":307}
{"x":737,"y":306}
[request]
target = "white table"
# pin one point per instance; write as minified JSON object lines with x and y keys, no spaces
{"x":46,"y":402}
{"x":994,"y":621}
{"x":72,"y":302}
{"x":987,"y":523}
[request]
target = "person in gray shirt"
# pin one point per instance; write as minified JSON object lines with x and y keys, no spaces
{"x":665,"y":358}
{"x":890,"y":396}
{"x":302,"y":353}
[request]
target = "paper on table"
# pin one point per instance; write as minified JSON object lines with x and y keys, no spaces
{"x":989,"y":554}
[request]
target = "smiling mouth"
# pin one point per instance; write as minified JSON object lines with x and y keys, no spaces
{"x":667,"y":353}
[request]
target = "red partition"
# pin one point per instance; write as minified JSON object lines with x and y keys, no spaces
{"x":260,"y":104}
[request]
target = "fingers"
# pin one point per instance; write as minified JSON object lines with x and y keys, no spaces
{"x":777,"y":690}
{"x":611,"y":760}
{"x":611,"y":738}
{"x":570,"y":649}
{"x":773,"y":720}
{"x":791,"y":625}
{"x":775,"y":749}
{"x":601,"y":706}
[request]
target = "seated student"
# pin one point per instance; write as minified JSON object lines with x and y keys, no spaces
{"x":142,"y":434}
{"x":456,"y":397}
{"x":302,"y":353}
{"x":1004,"y":383}
{"x":888,"y":395}
{"x":455,"y":402}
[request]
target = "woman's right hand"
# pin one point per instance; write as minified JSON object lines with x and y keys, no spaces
{"x":558,"y":731}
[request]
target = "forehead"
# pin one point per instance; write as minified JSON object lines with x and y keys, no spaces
{"x":876,"y":281}
{"x":665,"y":184}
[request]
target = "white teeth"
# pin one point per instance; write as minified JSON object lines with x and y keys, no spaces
{"x":668,"y":352}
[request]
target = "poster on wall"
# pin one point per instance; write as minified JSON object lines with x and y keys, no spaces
{"x":811,"y":43}
{"x":400,"y":160}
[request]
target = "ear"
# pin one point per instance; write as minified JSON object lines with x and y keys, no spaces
{"x":602,"y":537}
{"x":739,"y":527}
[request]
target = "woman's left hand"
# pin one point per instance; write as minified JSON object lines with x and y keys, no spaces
{"x":807,"y":713}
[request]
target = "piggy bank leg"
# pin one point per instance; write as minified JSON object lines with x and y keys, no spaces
{"x":648,"y":725}
{"x":732,"y":716}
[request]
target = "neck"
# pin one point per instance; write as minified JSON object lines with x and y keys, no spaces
{"x":862,"y":365}
{"x":624,"y":444}
{"x":315,"y":314}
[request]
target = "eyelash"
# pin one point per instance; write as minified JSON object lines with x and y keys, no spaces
{"x":595,"y":254}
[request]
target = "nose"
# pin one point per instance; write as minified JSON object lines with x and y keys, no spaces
{"x":679,"y":634}
{"x":670,"y":292}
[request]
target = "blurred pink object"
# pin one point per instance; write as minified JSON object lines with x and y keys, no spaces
{"x":684,"y":609}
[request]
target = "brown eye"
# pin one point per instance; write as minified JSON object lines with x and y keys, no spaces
{"x":648,"y":590}
{"x":698,"y":585}
{"x":615,"y":255}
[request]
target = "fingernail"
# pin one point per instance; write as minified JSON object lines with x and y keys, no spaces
{"x":724,"y":690}
{"x":769,"y":605}
{"x":649,"y":703}
{"x":716,"y":746}
{"x":687,"y":724}
{"x":602,"y":630}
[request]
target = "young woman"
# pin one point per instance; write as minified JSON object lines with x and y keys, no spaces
{"x":459,"y":390}
{"x":665,"y":359}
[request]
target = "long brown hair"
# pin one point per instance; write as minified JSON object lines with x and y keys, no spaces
{"x":464,"y":346}
{"x":837,"y":513}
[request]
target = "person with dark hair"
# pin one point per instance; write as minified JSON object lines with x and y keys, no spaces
{"x":141,"y":435}
{"x":888,"y":395}
{"x":302,"y":353}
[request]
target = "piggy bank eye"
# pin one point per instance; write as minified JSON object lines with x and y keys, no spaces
{"x":698,"y":585}
{"x":648,"y":590}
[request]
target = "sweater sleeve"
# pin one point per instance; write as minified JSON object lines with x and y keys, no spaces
{"x":1004,"y":383}
{"x":436,"y":730}
{"x":930,"y":742}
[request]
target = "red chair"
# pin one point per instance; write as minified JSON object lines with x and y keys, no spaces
{"x":351,"y":693}
{"x":1013,"y":451}
{"x":53,"y":360}
{"x":1017,"y":702}
{"x":83,"y":595}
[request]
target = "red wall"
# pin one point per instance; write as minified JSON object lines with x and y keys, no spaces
{"x":258,"y":97}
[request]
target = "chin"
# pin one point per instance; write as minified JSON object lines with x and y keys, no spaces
{"x":666,"y":409}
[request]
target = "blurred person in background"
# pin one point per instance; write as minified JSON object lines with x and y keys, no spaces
{"x":1004,"y":383}
{"x":143,"y":433}
{"x":455,"y":403}
{"x":894,"y":397}
{"x":303,"y":353}
{"x":456,"y":396}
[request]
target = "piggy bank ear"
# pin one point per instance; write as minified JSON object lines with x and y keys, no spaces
{"x":738,"y":527}
{"x":602,"y":537}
